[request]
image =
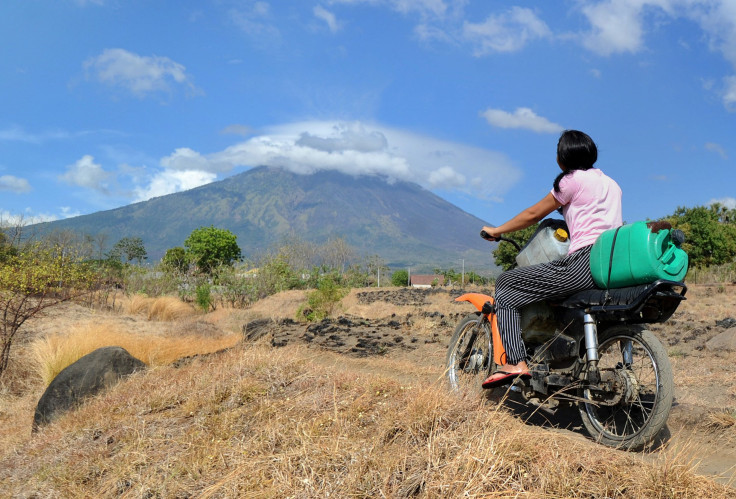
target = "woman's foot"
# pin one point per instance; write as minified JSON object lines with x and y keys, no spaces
{"x":507,"y":374}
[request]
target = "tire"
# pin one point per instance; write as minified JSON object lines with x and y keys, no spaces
{"x":644,"y":393}
{"x":469,"y":354}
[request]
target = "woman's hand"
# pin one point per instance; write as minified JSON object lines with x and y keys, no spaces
{"x":490,"y":233}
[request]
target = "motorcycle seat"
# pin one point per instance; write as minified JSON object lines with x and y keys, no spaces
{"x":628,"y":303}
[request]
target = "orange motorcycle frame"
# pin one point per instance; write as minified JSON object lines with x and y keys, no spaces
{"x":478,"y":300}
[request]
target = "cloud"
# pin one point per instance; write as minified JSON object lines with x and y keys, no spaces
{"x":18,"y":134}
{"x":728,"y":202}
{"x":368,"y":149}
{"x":729,"y":93}
{"x":14,"y":184}
{"x":140,"y":75}
{"x":506,"y":32}
{"x":170,"y":181}
{"x":243,"y":130}
{"x":252,"y":17}
{"x":86,"y":173}
{"x":185,"y":159}
{"x":328,"y":17}
{"x":523,"y":118}
{"x":716,"y":148}
{"x":616,"y":26}
{"x":425,"y":8}
{"x":354,"y":148}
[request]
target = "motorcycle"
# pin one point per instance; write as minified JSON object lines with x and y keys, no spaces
{"x":591,"y":349}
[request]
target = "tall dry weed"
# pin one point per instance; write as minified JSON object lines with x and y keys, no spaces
{"x":54,"y":352}
{"x":162,"y":308}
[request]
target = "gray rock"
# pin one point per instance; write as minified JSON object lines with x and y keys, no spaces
{"x":89,"y":375}
{"x":724,"y":341}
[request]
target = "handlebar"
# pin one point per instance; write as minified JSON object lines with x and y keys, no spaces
{"x":488,"y":237}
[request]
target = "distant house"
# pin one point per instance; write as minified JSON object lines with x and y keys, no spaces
{"x":426,"y":281}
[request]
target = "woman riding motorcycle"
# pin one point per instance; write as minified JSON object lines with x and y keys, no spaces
{"x":591,"y":204}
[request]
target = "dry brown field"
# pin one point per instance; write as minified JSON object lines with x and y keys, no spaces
{"x":262,"y":406}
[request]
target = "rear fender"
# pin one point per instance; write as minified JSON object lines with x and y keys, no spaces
{"x":478,"y":300}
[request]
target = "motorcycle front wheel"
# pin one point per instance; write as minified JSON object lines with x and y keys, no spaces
{"x":470,"y":353}
{"x":632,"y":414}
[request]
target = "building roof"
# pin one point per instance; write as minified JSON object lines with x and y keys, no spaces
{"x":427,"y":280}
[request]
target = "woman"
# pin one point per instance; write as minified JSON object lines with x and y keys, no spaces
{"x":591,"y":204}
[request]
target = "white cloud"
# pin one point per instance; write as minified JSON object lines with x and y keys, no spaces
{"x":716,"y":148}
{"x":186,"y":159}
{"x":14,"y":184}
{"x":367,"y":149}
{"x":426,"y":8}
{"x":506,"y":32}
{"x":350,"y":147}
{"x":170,"y":181}
{"x":728,"y":202}
{"x":523,"y":118}
{"x":141,"y":75}
{"x":446,"y":178}
{"x":236,"y":129}
{"x":86,"y":173}
{"x":8,"y":219}
{"x":328,"y":17}
{"x":17,"y":134}
{"x":616,"y":26}
{"x":252,"y":17}
{"x":729,"y":93}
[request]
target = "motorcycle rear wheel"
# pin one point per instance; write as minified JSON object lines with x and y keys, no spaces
{"x":469,"y":354}
{"x":636,"y":359}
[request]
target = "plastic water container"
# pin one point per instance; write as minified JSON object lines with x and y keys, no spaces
{"x":550,"y":242}
{"x":640,"y":255}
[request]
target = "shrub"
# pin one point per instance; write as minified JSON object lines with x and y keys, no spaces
{"x":321,"y":303}
{"x":33,"y":280}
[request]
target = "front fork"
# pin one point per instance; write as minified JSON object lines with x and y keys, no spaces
{"x":591,"y":348}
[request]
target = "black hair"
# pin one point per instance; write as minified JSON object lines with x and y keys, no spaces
{"x":575,"y":151}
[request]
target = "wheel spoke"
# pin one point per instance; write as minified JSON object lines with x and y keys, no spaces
{"x":470,"y":356}
{"x":620,"y":415}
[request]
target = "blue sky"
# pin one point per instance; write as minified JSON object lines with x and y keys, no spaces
{"x":108,"y":102}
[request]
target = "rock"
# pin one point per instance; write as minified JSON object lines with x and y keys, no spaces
{"x":726,"y":323}
{"x":724,"y":341}
{"x":89,"y":375}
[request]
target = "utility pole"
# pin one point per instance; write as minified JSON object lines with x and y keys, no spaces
{"x":463,"y":272}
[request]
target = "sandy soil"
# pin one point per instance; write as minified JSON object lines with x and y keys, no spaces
{"x":415,"y":326}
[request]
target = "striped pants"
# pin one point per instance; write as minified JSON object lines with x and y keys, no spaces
{"x":524,"y":285}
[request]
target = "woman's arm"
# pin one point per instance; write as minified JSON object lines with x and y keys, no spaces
{"x":528,"y":217}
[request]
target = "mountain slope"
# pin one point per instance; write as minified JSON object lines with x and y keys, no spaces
{"x":402,"y":222}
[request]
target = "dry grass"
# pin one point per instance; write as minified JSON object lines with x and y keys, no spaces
{"x":163,"y":308}
{"x":258,"y":422}
{"x":56,"y":351}
{"x":720,"y":420}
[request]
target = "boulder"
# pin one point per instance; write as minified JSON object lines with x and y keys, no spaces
{"x":89,"y":375}
{"x":724,"y":341}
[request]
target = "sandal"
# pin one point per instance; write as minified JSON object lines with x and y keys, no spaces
{"x":500,"y":378}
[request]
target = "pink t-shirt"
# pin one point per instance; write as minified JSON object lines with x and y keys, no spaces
{"x":591,"y":204}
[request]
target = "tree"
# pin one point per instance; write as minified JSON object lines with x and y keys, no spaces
{"x":710,"y":234}
{"x":176,"y":260}
{"x":34,"y":279}
{"x":505,"y":253}
{"x":210,"y":247}
{"x":129,"y":248}
{"x":400,"y":278}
